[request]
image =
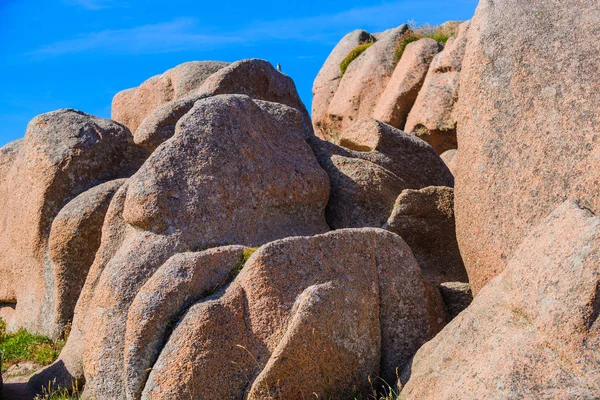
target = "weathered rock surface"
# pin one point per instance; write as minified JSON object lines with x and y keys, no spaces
{"x":328,"y":79}
{"x":433,"y":116}
{"x":183,"y":280}
{"x":131,"y":106}
{"x":449,"y":158}
{"x":73,"y":242}
{"x":533,"y":331}
{"x":528,"y":124}
{"x":425,"y":220}
{"x":254,"y":78}
{"x":231,"y":174}
{"x":285,"y":327}
{"x":364,"y":82}
{"x":64,"y":153}
{"x":366,"y":181}
{"x":457,"y":297}
{"x":8,"y":153}
{"x":403,"y":88}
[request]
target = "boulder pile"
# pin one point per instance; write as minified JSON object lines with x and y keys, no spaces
{"x":416,"y":92}
{"x":210,"y":242}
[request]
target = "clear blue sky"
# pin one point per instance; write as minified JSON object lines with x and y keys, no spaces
{"x":79,"y":53}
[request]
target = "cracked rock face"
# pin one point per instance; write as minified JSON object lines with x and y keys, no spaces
{"x":531,"y":331}
{"x":305,"y":315}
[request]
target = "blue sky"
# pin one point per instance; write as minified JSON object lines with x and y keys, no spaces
{"x":79,"y":53}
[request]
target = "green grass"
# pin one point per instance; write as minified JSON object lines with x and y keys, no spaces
{"x":24,"y":346}
{"x":439,"y":33}
{"x":51,"y":393}
{"x":357,"y":51}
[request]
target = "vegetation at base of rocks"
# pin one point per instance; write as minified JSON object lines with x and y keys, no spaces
{"x":353,"y":55}
{"x":439,"y":33}
{"x":421,"y":131}
{"x":50,"y":392}
{"x":23,"y":346}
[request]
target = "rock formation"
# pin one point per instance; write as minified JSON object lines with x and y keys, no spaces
{"x":328,"y":79}
{"x":65,"y":154}
{"x":255,"y":78}
{"x":527,"y":125}
{"x":228,"y":161}
{"x":378,"y":163}
{"x":425,"y":219}
{"x":364,"y":82}
{"x":208,"y":244}
{"x":533,"y":331}
{"x":403,"y":88}
{"x":415,"y":90}
{"x":433,"y":117}
{"x":283,"y":328}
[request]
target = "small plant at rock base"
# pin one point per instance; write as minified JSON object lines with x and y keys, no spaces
{"x":51,"y":392}
{"x":353,"y":55}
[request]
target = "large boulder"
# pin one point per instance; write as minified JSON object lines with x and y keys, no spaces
{"x":528,"y":124}
{"x":231,"y":174}
{"x":433,"y":116}
{"x":328,"y":79}
{"x":364,"y":82}
{"x":403,"y":88}
{"x":425,"y":220}
{"x":131,"y":106}
{"x":254,"y":78}
{"x":379,"y":162}
{"x":64,"y":154}
{"x":533,"y":331}
{"x":307,"y":315}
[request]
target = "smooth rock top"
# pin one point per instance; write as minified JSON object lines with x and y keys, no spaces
{"x":8,"y":153}
{"x":328,"y":79}
{"x":254,"y":78}
{"x":528,"y":124}
{"x":131,"y":106}
{"x":364,"y":82}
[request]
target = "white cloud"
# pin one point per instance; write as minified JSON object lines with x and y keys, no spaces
{"x":167,"y":37}
{"x":185,"y":33}
{"x":91,"y":4}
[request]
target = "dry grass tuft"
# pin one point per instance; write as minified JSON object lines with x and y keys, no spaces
{"x":439,"y":33}
{"x":353,"y":55}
